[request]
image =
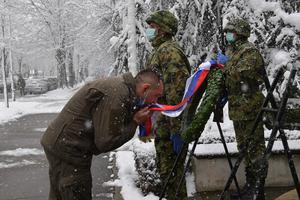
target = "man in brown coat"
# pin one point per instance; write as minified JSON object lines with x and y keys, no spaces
{"x":100,"y":117}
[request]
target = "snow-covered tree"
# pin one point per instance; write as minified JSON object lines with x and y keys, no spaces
{"x":92,"y":43}
{"x":55,"y":15}
{"x":124,"y":37}
{"x":69,"y":26}
{"x":197,"y":28}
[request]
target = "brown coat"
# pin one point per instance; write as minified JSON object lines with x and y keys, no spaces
{"x":97,"y":119}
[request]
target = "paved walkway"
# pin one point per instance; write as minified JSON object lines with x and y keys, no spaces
{"x":271,"y":194}
{"x":290,"y":195}
{"x":26,"y":177}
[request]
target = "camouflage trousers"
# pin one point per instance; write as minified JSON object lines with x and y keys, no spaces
{"x":256,"y":168}
{"x":165,"y":158}
{"x":68,"y":181}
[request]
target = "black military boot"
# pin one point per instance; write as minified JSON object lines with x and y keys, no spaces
{"x":261,"y":194}
{"x":235,"y":195}
{"x":261,"y":191}
{"x":253,"y":194}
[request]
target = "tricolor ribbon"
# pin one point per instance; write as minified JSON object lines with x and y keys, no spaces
{"x":191,"y":86}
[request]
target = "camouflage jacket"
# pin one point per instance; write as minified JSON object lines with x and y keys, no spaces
{"x":169,"y":59}
{"x":97,"y":119}
{"x":244,"y":74}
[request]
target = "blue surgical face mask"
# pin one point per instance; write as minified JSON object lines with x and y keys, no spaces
{"x":230,"y":37}
{"x":151,"y":34}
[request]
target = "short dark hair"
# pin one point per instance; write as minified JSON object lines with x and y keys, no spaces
{"x":148,"y":76}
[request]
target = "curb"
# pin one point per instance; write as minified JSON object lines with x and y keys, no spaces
{"x":117,"y":189}
{"x":291,"y":195}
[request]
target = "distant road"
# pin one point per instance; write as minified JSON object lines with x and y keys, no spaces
{"x":17,"y":95}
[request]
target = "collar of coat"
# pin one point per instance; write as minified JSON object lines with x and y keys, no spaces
{"x":238,"y":43}
{"x":130,"y":82}
{"x":158,"y":41}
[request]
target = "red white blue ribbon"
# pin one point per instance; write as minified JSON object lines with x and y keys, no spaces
{"x":192,"y":85}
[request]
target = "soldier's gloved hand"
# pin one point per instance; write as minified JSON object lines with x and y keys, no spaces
{"x":222,"y":59}
{"x":213,"y":62}
{"x":177,"y":142}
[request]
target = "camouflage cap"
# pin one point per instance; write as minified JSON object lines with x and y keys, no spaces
{"x":166,"y":21}
{"x":239,"y":26}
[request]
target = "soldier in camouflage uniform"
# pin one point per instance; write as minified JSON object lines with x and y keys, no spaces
{"x":243,"y":79}
{"x":169,"y":59}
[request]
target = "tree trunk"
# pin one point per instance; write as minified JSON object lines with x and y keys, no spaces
{"x":5,"y":93}
{"x":61,"y":51}
{"x":61,"y":67}
{"x":13,"y":97}
{"x":3,"y":66}
{"x":131,"y":27}
{"x":71,"y":73}
{"x":78,"y":69}
{"x":20,"y":65}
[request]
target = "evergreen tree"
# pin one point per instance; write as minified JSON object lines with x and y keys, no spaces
{"x":121,"y":38}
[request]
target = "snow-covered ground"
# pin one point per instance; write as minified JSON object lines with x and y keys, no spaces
{"x":53,"y":102}
{"x":50,"y":102}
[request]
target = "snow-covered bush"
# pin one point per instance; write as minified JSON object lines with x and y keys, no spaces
{"x":148,"y":177}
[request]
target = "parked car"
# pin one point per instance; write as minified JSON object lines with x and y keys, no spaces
{"x":36,"y":86}
{"x":51,"y":82}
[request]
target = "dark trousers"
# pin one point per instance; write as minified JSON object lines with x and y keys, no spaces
{"x":22,"y":91}
{"x":67,"y":181}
